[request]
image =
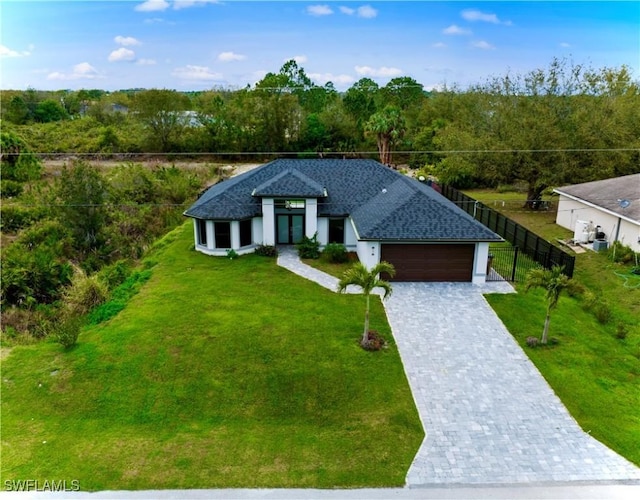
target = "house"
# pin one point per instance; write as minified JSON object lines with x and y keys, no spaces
{"x":611,"y":204}
{"x":371,"y":209}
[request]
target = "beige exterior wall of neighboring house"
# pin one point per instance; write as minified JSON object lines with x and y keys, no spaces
{"x":612,"y":225}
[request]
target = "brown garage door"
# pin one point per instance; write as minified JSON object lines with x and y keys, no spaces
{"x":433,"y":262}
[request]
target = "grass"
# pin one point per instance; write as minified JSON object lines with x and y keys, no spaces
{"x":218,"y":373}
{"x":594,"y":373}
{"x":334,"y":269}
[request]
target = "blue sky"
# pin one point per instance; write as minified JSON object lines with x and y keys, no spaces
{"x":201,"y":44}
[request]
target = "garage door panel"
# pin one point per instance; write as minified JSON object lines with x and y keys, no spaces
{"x":447,"y":262}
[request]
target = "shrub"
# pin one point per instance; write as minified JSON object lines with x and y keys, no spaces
{"x":335,"y":253}
{"x":621,"y":331}
{"x":84,"y":294}
{"x":14,"y":218}
{"x":602,"y":311}
{"x":232,"y":254}
{"x":621,"y":253}
{"x":67,"y":330}
{"x":266,"y":251}
{"x":115,"y":274}
{"x":10,"y":189}
{"x":309,"y":248}
{"x":532,"y":341}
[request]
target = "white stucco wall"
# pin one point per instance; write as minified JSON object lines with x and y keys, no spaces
{"x":257,"y":234}
{"x":268,"y":222}
{"x":310,"y":217}
{"x":368,"y":252}
{"x":480,"y":263}
{"x":570,"y":211}
{"x":350,"y":238}
{"x":323,"y":231}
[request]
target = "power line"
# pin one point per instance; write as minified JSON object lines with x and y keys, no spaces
{"x":336,"y":153}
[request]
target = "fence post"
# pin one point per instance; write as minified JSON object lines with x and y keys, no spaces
{"x":515,"y":264}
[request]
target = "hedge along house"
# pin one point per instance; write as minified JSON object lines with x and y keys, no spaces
{"x":371,"y":209}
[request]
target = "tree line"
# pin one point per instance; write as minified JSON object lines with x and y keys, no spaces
{"x":560,"y":124}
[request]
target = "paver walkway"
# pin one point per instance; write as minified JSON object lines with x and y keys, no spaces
{"x":489,"y":416}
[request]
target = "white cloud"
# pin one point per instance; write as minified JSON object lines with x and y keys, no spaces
{"x":146,"y":62}
{"x":152,"y":6}
{"x":382,"y":71}
{"x":323,"y":78}
{"x":475,"y":15}
{"x":122,"y":54}
{"x":456,"y":30}
{"x":565,"y":45}
{"x":297,"y":59}
{"x":439,"y":45}
{"x":7,"y":52}
{"x":80,"y":71}
{"x":319,"y":10}
{"x":126,"y":40}
{"x":481,"y":44}
{"x":195,"y":73}
{"x":230,"y":56}
{"x":184,"y":4}
{"x":367,"y":12}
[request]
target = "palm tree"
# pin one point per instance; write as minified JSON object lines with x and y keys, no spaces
{"x":554,"y":282}
{"x":367,"y":280}
{"x":388,"y":126}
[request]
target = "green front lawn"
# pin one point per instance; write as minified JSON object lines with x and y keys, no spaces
{"x":219,"y":373}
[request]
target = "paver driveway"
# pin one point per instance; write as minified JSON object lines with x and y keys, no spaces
{"x":490,"y":418}
{"x":488,"y":414}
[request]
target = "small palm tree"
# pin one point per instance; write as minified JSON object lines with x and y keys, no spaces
{"x":367,"y":280}
{"x":554,"y":282}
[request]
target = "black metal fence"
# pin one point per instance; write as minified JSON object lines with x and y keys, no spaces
{"x":525,"y":242}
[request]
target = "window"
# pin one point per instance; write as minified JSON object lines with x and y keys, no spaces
{"x":336,"y":231}
{"x":223,"y":234}
{"x":202,"y":232}
{"x":245,"y":233}
{"x":290,"y":204}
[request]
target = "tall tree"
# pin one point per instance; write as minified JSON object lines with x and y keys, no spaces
{"x":160,"y":111}
{"x":360,"y":102}
{"x":549,"y":127}
{"x":367,"y":280}
{"x":388,"y":127}
{"x":81,"y":195}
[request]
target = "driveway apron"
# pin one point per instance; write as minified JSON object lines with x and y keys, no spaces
{"x":488,"y":414}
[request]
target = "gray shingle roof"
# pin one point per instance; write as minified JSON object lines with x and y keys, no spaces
{"x":608,"y":192}
{"x":384,"y":204}
{"x":290,"y":182}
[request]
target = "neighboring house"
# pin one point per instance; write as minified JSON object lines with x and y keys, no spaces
{"x":371,"y":209}
{"x":612,"y":204}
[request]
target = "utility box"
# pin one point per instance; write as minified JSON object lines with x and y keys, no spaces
{"x":600,"y":245}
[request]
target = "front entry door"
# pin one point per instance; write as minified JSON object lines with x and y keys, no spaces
{"x":290,"y":229}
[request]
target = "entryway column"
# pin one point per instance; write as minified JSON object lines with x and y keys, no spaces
{"x":311,"y":217}
{"x":268,"y":222}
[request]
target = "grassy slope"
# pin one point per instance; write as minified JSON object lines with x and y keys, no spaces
{"x":596,"y":375}
{"x":218,"y":374}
